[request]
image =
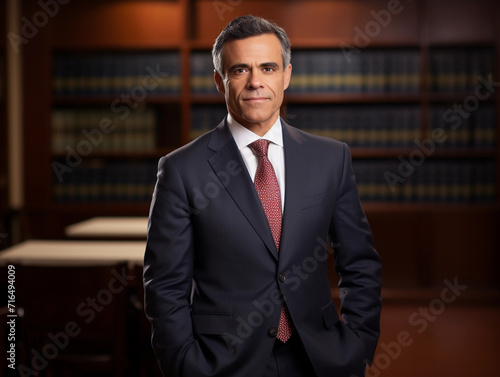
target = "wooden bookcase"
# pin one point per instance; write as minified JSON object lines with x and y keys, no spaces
{"x":422,"y":241}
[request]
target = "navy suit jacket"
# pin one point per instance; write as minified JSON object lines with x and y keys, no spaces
{"x":214,"y":281}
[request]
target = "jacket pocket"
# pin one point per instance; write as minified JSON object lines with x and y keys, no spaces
{"x":330,"y":315}
{"x":211,"y":323}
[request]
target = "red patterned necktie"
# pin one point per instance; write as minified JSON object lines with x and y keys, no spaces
{"x":268,"y":189}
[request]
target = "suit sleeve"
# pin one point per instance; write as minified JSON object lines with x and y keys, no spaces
{"x":356,"y":262}
{"x":168,"y":269}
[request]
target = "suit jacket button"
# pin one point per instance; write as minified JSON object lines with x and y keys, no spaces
{"x":282,"y":277}
{"x":273,"y":331}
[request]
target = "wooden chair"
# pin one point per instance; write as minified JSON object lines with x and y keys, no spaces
{"x":74,"y":318}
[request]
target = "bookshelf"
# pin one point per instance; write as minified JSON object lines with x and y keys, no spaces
{"x":105,"y":133}
{"x":375,"y":74}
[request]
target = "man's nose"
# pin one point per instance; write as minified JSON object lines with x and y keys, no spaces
{"x":255,"y":79}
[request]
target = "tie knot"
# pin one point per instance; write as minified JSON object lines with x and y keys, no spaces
{"x":259,"y":147}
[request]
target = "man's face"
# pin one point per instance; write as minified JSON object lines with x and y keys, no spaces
{"x":254,"y":81}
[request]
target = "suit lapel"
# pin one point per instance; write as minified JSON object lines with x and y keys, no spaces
{"x":240,"y":186}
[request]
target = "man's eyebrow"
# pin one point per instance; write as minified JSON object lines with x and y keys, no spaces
{"x":239,"y":65}
{"x":270,"y":64}
{"x":242,"y":65}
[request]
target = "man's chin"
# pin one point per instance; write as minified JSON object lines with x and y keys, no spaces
{"x":256,"y":117}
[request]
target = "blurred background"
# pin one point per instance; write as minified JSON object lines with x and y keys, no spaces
{"x":93,"y":93}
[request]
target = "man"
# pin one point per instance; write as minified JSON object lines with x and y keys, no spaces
{"x":235,"y":271}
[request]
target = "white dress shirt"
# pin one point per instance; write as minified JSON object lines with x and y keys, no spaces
{"x":243,"y":137}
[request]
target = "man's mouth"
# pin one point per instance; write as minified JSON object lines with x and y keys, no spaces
{"x":255,"y":99}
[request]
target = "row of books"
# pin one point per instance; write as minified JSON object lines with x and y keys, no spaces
{"x":103,"y":130}
{"x":113,"y":74}
{"x":391,"y":180}
{"x":398,"y":180}
{"x":369,"y":71}
{"x":457,"y":70}
{"x":96,"y":180}
{"x":360,"y":125}
{"x":475,"y":130}
{"x":201,"y":75}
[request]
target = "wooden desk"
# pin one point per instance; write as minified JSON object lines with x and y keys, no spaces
{"x":51,"y":253}
{"x":109,"y":228}
{"x":106,"y":291}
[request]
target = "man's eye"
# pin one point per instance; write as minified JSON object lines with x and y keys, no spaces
{"x":239,"y":71}
{"x":269,"y":69}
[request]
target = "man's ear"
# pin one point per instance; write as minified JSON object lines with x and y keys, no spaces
{"x":219,"y":82}
{"x":288,"y":75}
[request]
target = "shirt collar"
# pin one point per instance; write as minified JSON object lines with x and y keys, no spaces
{"x":243,"y":136}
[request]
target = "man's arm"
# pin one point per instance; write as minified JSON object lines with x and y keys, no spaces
{"x":356,"y":262}
{"x":168,"y":269}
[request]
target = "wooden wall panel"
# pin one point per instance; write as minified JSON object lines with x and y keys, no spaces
{"x":398,"y":241}
{"x":116,"y":24}
{"x":36,"y":115}
{"x":462,"y":21}
{"x":466,"y":247}
{"x":333,"y":21}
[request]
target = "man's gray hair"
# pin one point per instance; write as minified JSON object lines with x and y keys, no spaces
{"x":249,"y":26}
